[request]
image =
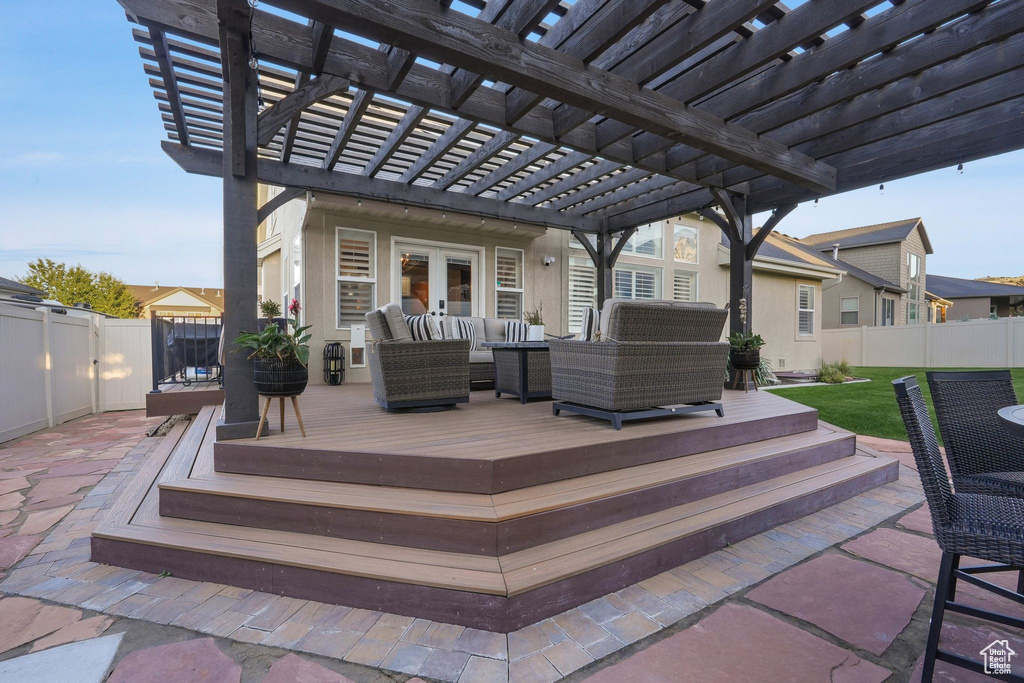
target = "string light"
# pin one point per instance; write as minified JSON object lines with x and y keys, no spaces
{"x":881,"y":189}
{"x":960,"y":168}
{"x":254,"y":57}
{"x":815,"y":203}
{"x":359,"y":202}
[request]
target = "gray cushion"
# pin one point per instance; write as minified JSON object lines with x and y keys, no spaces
{"x":494,"y":329}
{"x":483,"y":356}
{"x":396,"y":322}
{"x":609,"y":324}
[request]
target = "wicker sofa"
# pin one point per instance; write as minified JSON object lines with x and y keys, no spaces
{"x":414,"y":375}
{"x":481,"y":362}
{"x":648,"y":355}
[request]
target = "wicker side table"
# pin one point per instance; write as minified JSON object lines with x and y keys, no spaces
{"x":522,"y":369}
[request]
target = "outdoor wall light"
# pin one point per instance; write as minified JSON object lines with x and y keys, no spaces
{"x":548,"y":260}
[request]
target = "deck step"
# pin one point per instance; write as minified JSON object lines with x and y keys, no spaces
{"x":502,"y":593}
{"x":487,"y":524}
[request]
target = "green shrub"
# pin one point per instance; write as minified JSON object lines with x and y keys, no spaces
{"x":845,"y":368}
{"x":831,"y":374}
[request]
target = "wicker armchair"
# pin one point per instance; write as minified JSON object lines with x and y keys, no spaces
{"x":414,"y":375}
{"x":650,"y":355}
{"x":987,"y":527}
{"x":983,"y":456}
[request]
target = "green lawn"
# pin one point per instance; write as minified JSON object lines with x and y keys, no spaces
{"x":870,"y":407}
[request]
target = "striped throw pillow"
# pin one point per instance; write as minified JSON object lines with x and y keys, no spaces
{"x":515,"y":331}
{"x":590,"y":320}
{"x":421,"y":327}
{"x":464,"y":329}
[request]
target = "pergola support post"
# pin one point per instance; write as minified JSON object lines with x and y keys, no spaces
{"x":738,"y":226}
{"x":241,"y":403}
{"x":604,"y":256}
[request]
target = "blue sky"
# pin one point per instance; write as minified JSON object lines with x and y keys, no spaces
{"x":83,"y":179}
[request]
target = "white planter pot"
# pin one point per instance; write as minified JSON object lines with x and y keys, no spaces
{"x":535,"y":333}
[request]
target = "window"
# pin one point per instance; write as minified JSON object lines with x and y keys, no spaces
{"x":912,"y":314}
{"x":637,"y":282}
{"x":888,"y":312}
{"x":508,"y":267}
{"x":582,"y":290}
{"x":646,"y":241}
{"x":684,"y":285}
{"x":915,"y":292}
{"x":575,"y":243}
{"x":914,"y":267}
{"x":805,"y":311}
{"x":849,"y":310}
{"x":357,"y":275}
{"x":685,"y":243}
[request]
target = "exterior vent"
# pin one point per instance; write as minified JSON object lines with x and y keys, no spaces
{"x":782,"y":363}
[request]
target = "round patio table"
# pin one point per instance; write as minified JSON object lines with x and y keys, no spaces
{"x":1013,"y":418}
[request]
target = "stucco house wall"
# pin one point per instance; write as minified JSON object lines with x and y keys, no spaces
{"x":974,"y":308}
{"x":848,"y":287}
{"x":306,"y":233}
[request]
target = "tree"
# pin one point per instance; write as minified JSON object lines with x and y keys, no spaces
{"x":74,"y":284}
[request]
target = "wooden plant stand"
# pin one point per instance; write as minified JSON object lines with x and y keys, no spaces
{"x":741,"y":376}
{"x":266,"y":409}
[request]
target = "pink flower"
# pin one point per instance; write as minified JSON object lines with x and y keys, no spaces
{"x":294,"y":307}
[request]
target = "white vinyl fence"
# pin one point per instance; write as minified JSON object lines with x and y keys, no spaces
{"x":974,"y":344}
{"x":54,"y":368}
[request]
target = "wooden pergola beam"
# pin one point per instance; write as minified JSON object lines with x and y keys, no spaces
{"x":565,"y":164}
{"x":925,"y":64}
{"x":782,"y":90}
{"x":209,"y":162}
{"x":291,"y":106}
{"x":398,"y":135}
{"x":480,"y":155}
{"x":277,"y":201}
{"x":170,"y":80}
{"x":460,"y":40}
{"x":447,"y":140}
{"x":360,"y":102}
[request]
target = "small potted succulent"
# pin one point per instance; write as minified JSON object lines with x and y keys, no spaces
{"x":280,"y":357}
{"x":535,"y":320}
{"x":745,"y":350}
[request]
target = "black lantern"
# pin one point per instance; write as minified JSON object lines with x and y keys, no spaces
{"x":334,"y":363}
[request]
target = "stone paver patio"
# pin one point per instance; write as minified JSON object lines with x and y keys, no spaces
{"x":845,"y":592}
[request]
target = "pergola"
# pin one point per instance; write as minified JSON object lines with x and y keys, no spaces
{"x":595,"y":117}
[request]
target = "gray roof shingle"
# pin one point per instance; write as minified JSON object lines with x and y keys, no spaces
{"x":960,"y":288}
{"x":18,"y":287}
{"x":881,"y":233}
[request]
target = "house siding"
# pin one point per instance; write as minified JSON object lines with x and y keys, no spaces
{"x":774,"y":310}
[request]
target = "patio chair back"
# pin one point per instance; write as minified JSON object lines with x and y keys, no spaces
{"x":664,"y":321}
{"x":966,"y":404}
{"x":937,"y":488}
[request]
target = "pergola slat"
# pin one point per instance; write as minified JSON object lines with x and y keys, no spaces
{"x":210,"y":162}
{"x":463,"y":41}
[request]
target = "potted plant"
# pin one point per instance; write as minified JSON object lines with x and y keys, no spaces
{"x":535,"y":319}
{"x":745,"y":350}
{"x":279,"y":357}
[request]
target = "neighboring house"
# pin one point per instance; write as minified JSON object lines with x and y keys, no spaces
{"x":9,"y":287}
{"x":178,"y":301}
{"x":887,"y":269}
{"x":341,"y":257}
{"x":973,"y":299}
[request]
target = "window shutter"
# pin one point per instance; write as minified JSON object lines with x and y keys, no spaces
{"x":582,"y":291}
{"x":354,"y":254}
{"x":683,"y":286}
{"x":645,"y":285}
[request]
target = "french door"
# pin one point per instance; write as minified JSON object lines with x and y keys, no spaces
{"x":439,"y":280}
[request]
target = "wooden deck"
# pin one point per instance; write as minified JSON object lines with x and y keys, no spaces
{"x":183,"y":399}
{"x":496,"y":561}
{"x":490,"y":445}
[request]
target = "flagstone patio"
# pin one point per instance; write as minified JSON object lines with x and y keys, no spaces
{"x":843,"y":592}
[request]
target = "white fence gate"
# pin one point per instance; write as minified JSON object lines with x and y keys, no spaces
{"x":126,"y":364}
{"x":54,"y":368}
{"x":974,"y":344}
